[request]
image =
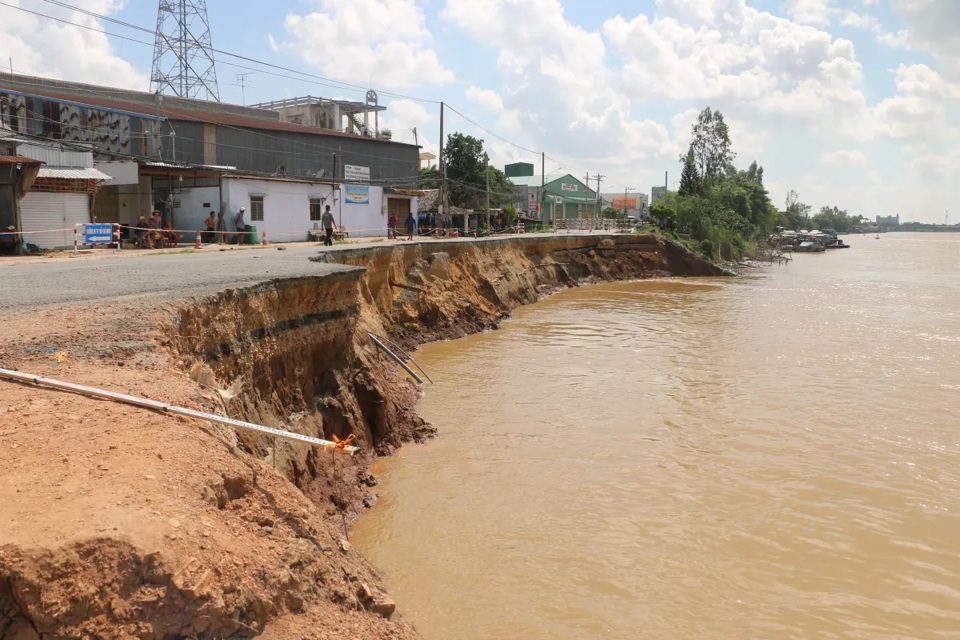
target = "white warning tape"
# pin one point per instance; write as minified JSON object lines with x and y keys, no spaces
{"x":170,"y":408}
{"x":27,"y":233}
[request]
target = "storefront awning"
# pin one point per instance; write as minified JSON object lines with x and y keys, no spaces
{"x":61,"y":173}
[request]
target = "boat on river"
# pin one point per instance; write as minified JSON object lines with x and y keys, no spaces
{"x":809,"y":246}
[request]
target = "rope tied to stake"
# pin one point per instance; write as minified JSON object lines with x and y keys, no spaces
{"x":341,"y":445}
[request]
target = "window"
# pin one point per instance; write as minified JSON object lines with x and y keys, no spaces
{"x":316,"y":209}
{"x":256,"y":208}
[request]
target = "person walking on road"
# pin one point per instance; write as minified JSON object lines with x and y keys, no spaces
{"x":327,"y":220}
{"x":411,"y":225}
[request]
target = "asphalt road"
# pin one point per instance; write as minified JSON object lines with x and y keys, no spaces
{"x":26,"y":284}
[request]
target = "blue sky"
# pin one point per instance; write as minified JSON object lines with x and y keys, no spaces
{"x":852,"y":103}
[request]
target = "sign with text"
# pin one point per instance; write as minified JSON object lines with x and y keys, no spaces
{"x":566,"y":186}
{"x":354,"y":173}
{"x":356,"y":194}
{"x":98,"y":233}
{"x":624,"y":203}
{"x":531,"y":202}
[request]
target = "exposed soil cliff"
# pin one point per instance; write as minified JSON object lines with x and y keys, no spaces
{"x":141,"y":526}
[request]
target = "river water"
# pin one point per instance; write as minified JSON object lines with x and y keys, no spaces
{"x":770,"y":456}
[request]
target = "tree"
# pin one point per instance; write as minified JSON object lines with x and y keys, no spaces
{"x":833,"y":218}
{"x":711,"y":146}
{"x":429,"y":178}
{"x":465,"y":163}
{"x":689,"y":177}
{"x":796,"y":215}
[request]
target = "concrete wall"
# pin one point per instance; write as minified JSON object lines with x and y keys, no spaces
{"x":195,"y":205}
{"x":364,"y":220}
{"x":286,"y":206}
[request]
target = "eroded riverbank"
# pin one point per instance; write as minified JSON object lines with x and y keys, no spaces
{"x":125,"y":523}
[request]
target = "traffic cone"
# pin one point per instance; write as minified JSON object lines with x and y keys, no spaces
{"x":264,"y":239}
{"x":198,"y":244}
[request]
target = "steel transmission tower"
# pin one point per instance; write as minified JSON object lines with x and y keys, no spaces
{"x":183,"y":52}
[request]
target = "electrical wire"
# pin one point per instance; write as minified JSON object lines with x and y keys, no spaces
{"x":313,"y":78}
{"x":319,"y":79}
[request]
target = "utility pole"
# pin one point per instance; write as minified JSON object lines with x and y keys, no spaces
{"x":340,"y":172}
{"x":625,"y":190}
{"x":242,"y":83}
{"x":486,"y":170}
{"x":597,"y":206}
{"x":542,"y":200}
{"x":441,"y":201}
{"x":587,"y":183}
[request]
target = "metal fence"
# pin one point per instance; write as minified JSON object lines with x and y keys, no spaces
{"x":594,"y":224}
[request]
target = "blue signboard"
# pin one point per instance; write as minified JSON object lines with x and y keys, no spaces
{"x":98,"y":234}
{"x":356,"y":194}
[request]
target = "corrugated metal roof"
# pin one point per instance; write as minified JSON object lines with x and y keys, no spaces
{"x":62,"y":173}
{"x":18,"y":160}
{"x":213,"y":116}
{"x":53,"y":155}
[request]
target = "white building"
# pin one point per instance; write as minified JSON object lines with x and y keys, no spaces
{"x":288,"y":209}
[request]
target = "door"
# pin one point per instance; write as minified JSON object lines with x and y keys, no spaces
{"x":55,"y":214}
{"x":399,"y":207}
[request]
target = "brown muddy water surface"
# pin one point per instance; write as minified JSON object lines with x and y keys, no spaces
{"x":771,"y":456}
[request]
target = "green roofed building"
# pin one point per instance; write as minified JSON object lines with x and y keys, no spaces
{"x":562,"y":197}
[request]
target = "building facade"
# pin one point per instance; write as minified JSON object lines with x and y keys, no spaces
{"x":185,"y":157}
{"x":888,"y":222}
{"x":656,"y":193}
{"x":560,"y":198}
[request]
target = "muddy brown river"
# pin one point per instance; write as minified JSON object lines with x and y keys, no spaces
{"x":771,"y":456}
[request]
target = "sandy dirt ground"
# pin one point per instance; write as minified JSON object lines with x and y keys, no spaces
{"x":114,"y":514}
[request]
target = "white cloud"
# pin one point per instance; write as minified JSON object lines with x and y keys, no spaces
{"x":931,"y":25}
{"x":920,"y":107}
{"x":843,"y":157}
{"x":811,"y":11}
{"x":486,"y":99}
{"x":381,"y":42}
{"x":65,"y":51}
{"x":558,"y":84}
{"x":775,"y":77}
{"x":403,"y":116}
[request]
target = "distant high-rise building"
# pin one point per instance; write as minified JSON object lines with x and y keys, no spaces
{"x":888,"y":221}
{"x":656,"y":193}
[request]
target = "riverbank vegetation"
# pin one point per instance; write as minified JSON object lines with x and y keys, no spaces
{"x":720,"y":208}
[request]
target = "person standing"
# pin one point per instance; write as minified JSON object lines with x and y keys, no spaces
{"x":240,"y":224}
{"x":209,"y":235}
{"x":411,"y":225}
{"x":327,"y":221}
{"x":392,"y":227}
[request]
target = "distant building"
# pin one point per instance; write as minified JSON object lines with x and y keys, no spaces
{"x":634,"y":203}
{"x":337,"y":115}
{"x":656,"y":193}
{"x":558,"y":198}
{"x":888,"y":221}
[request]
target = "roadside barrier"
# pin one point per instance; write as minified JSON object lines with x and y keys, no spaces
{"x":162,"y":407}
{"x":114,"y":235}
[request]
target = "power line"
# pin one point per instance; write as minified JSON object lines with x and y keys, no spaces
{"x":322,"y":80}
{"x":317,"y":79}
